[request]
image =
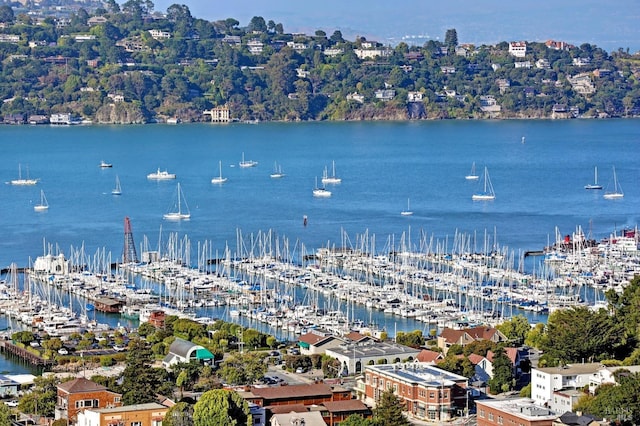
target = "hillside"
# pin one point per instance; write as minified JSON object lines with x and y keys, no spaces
{"x":130,"y":65}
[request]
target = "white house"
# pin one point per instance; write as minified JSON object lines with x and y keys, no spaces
{"x":546,"y":381}
{"x":518,"y":49}
{"x":354,"y":357}
{"x":159,"y":34}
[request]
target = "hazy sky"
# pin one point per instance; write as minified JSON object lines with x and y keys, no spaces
{"x":607,"y":24}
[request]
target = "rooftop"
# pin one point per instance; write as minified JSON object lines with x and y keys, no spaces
{"x":572,"y":369}
{"x":523,"y":408}
{"x":419,"y":373}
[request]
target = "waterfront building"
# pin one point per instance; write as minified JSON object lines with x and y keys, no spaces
{"x":8,"y":386}
{"x":427,"y":392}
{"x":79,"y":394}
{"x":512,"y":412}
{"x":151,"y":414}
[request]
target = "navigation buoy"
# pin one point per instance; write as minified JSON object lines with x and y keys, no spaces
{"x":304,"y":220}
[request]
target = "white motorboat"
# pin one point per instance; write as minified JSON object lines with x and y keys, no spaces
{"x":161,"y":175}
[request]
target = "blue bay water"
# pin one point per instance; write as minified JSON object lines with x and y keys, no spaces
{"x":538,"y":184}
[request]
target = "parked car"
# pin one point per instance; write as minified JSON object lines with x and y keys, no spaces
{"x":119,"y":348}
{"x":11,"y":403}
{"x":63,"y":351}
{"x":299,"y":370}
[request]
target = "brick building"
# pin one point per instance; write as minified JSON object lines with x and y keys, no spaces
{"x":512,"y":412}
{"x":306,"y":394}
{"x":426,"y":391}
{"x":76,"y":395}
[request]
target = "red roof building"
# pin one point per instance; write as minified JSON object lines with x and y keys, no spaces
{"x":76,"y":395}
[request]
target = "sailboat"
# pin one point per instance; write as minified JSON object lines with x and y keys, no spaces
{"x":219,"y":179}
{"x":617,"y":189}
{"x":44,"y":204}
{"x":249,"y":163}
{"x":333,"y":178}
{"x":277,"y":171}
{"x":21,"y":181}
{"x":472,"y":175}
{"x":180,"y":209}
{"x":320,"y":192}
{"x":595,"y":184}
{"x":117,"y":190}
{"x":487,"y":193}
{"x":408,"y":211}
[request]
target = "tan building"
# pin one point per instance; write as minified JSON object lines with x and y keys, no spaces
{"x":219,"y":114}
{"x":150,"y":414}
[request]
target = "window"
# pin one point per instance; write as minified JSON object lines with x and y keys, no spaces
{"x":395,"y":388}
{"x":116,"y":399}
{"x":136,"y":423}
{"x":500,"y":421}
{"x":481,"y":413}
{"x":490,"y":416}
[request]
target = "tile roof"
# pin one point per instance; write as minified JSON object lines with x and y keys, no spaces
{"x":348,"y":405}
{"x":428,"y":356}
{"x":292,"y":391}
{"x":80,"y":385}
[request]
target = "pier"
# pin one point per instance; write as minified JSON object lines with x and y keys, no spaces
{"x":8,"y":347}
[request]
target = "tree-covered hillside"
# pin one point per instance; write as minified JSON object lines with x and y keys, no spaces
{"x":126,"y":63}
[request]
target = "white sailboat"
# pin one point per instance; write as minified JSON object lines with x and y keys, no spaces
{"x":472,"y":175}
{"x":180,"y":209}
{"x":595,"y":184}
{"x":248,"y":163}
{"x":616,"y":192}
{"x":117,"y":190}
{"x":219,"y":179}
{"x":21,"y":181}
{"x":333,"y":178}
{"x":408,"y":211}
{"x":320,"y":192}
{"x":277,"y":171}
{"x":487,"y":193}
{"x":44,"y":204}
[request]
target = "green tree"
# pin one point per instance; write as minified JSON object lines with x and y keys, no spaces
{"x":357,"y":420}
{"x":6,"y":14}
{"x":502,"y":379}
{"x":257,"y":24}
{"x":5,"y":415}
{"x":242,"y":369}
{"x":140,"y":382}
{"x":516,"y":329}
{"x":42,"y":400}
{"x":180,"y":414}
{"x":451,"y":39}
{"x":388,"y":410}
{"x":414,"y":339}
{"x":221,"y":407}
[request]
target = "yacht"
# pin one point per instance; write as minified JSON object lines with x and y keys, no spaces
{"x":161,"y":175}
